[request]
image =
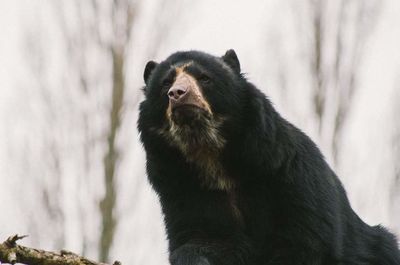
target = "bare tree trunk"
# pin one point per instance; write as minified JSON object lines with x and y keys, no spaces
{"x":316,"y":60}
{"x":117,"y":49}
{"x":107,"y":204}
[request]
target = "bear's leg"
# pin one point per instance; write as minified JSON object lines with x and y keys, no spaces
{"x":207,"y":253}
{"x":188,"y":254}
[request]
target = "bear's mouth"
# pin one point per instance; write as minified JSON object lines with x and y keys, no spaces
{"x":189,"y":114}
{"x":192,"y":128}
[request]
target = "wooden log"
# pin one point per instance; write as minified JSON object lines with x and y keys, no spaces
{"x":11,"y":252}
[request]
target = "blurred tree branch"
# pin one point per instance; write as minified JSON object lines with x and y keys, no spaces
{"x":316,"y":60}
{"x":395,"y":185}
{"x":347,"y":65}
{"x":334,"y":69}
{"x":49,"y":190}
{"x":12,"y":253}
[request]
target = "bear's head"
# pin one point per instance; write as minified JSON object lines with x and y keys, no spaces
{"x":200,"y":109}
{"x":190,"y":97}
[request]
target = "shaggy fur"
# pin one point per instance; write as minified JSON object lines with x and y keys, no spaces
{"x":240,"y":184}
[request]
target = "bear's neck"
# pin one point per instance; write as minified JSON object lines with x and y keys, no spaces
{"x":212,"y":173}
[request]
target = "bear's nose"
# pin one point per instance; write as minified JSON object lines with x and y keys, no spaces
{"x":177,"y":92}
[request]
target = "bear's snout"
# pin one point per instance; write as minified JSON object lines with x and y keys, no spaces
{"x":186,"y":92}
{"x":176,"y":93}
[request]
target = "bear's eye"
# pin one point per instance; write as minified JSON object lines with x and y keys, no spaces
{"x":167,"y":83}
{"x":205,"y":79}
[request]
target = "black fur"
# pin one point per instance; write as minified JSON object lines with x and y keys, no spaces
{"x":148,"y":69}
{"x":287,"y":206}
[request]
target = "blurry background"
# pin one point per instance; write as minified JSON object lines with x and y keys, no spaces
{"x":71,"y":166}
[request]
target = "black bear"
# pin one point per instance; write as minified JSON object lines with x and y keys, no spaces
{"x":238,"y":184}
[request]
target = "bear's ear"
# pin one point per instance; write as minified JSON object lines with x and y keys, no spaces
{"x":232,"y":60}
{"x":148,"y":70}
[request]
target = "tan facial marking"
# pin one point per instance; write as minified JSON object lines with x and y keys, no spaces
{"x":181,"y":68}
{"x":202,"y":148}
{"x":196,"y":97}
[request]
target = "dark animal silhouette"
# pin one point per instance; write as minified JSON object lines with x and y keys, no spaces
{"x":238,"y":184}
